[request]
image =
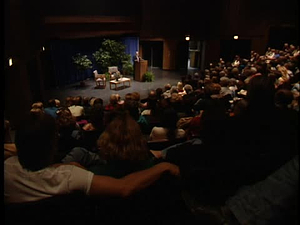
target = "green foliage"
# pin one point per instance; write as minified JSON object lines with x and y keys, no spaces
{"x":111,"y":53}
{"x":82,"y":62}
{"x":107,"y":75}
{"x":127,"y":68}
{"x":149,"y":76}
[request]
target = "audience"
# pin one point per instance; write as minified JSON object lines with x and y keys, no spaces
{"x":241,"y":126}
{"x":32,"y":175}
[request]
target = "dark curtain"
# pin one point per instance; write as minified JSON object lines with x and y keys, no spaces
{"x":62,"y":51}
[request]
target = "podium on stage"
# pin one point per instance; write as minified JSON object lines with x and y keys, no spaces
{"x":140,"y":68}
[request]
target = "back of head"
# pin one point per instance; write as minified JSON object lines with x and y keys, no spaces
{"x":113,"y":99}
{"x":36,"y":141}
{"x":98,"y":101}
{"x":283,"y":98}
{"x":188,"y":88}
{"x":260,"y":92}
{"x":51,"y":103}
{"x":167,"y":87}
{"x":136,"y":96}
{"x":97,"y":115}
{"x":78,"y":100}
{"x":212,"y":89}
{"x":123,"y":140}
{"x":132,"y":107}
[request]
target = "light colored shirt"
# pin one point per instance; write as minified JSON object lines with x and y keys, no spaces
{"x":160,"y":133}
{"x":22,"y":185}
{"x":76,"y":110}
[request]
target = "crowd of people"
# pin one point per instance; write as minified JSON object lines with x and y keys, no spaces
{"x":231,"y":126}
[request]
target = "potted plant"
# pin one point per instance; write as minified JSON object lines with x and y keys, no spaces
{"x":82,"y":63}
{"x":148,"y":76}
{"x":111,"y":53}
{"x":127,"y":66}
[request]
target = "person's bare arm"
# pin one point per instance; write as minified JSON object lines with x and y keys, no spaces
{"x":124,"y":187}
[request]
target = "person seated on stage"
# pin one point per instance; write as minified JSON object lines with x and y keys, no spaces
{"x":51,"y":109}
{"x":35,"y":141}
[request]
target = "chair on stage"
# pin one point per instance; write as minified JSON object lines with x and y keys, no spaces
{"x":113,"y":70}
{"x":99,"y":79}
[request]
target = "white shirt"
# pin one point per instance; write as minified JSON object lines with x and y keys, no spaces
{"x":160,"y":133}
{"x":76,"y":110}
{"x":22,"y":185}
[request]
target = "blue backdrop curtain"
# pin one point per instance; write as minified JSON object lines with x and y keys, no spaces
{"x":132,"y":45}
{"x":62,"y":51}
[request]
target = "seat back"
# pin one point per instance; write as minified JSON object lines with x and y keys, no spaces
{"x":112,"y":69}
{"x":70,"y":208}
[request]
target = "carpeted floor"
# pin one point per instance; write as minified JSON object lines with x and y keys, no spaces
{"x":162,"y":77}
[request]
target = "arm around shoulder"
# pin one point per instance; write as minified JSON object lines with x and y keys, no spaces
{"x":107,"y":186}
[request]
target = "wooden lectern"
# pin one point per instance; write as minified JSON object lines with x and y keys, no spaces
{"x":140,"y":69}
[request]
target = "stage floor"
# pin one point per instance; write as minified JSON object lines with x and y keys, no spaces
{"x":162,"y":77}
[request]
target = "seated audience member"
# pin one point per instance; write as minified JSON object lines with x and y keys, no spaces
{"x":76,"y":108}
{"x":37,"y":108}
{"x":122,"y":149}
{"x":211,"y":99}
{"x":180,"y":89}
{"x":68,"y":131}
{"x":113,"y":102}
{"x":9,"y":145}
{"x":189,"y":100}
{"x":132,"y":107}
{"x":167,"y":91}
{"x":86,"y":107}
{"x":159,"y":92}
{"x":68,"y":101}
{"x":57,"y":103}
{"x":168,"y":130}
{"x":258,"y":152}
{"x":39,"y":105}
{"x":269,"y":201}
{"x":35,"y":161}
{"x":51,"y":109}
{"x":150,"y":104}
{"x":92,"y":130}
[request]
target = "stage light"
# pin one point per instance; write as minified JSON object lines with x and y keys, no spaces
{"x":10,"y":61}
{"x":235,"y":37}
{"x":187,"y":37}
{"x":43,"y":48}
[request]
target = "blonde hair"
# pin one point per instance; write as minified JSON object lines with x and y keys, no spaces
{"x":123,"y":140}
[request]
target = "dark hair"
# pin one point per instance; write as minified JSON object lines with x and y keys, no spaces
{"x":169,"y":120}
{"x":52,"y":103}
{"x":260,"y":92}
{"x":132,"y":107}
{"x":36,"y":141}
{"x":96,"y":116}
